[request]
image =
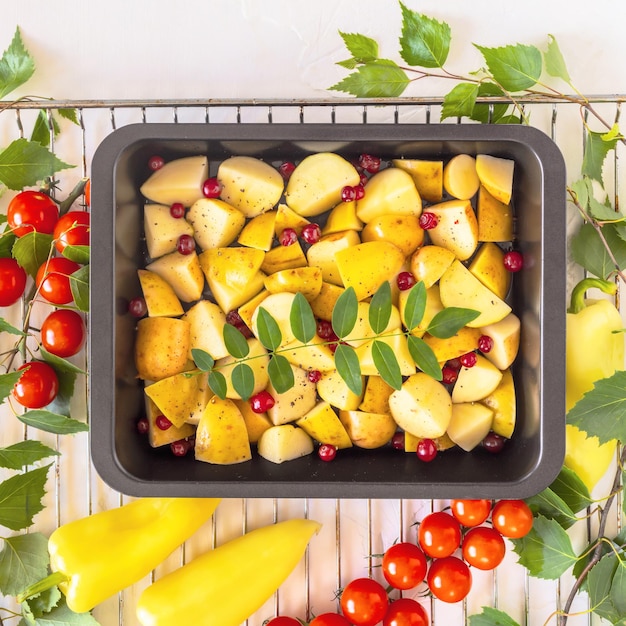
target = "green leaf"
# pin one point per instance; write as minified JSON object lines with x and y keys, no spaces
{"x":599,"y":583}
{"x":380,"y":308}
{"x":415,"y":306}
{"x":546,"y":551}
{"x":69,"y":114}
{"x":376,"y":79}
{"x":348,"y":367}
{"x":601,"y":412}
{"x":52,"y":422}
{"x":489,"y":113}
{"x":491,"y":617}
{"x":79,"y":284}
{"x":460,"y":101}
{"x":63,"y":400}
{"x":302,"y":320}
{"x":32,"y":250}
{"x":345,"y":313}
{"x":349,"y":64}
{"x":618,"y":589}
{"x":555,"y":63}
{"x":24,"y":163}
{"x":552,"y":506}
{"x":23,"y":453}
{"x":242,"y":378}
{"x":218,"y":384}
{"x":515,"y":68}
{"x":386,"y":363}
{"x":23,"y":561}
{"x":21,"y":498}
{"x":268,"y":330}
{"x":7,"y":239}
{"x":424,"y":41}
{"x":572,"y":490}
{"x":41,"y":129}
{"x":16,"y":65}
{"x":61,"y":615}
{"x":589,"y":251}
{"x":597,"y":146}
{"x":202,"y":359}
{"x":362,"y":48}
{"x":280,"y":373}
{"x":448,"y":322}
{"x":59,"y":363}
{"x":78,"y":254}
{"x":424,"y":357}
{"x":7,"y":382}
{"x":584,"y":195}
{"x":5,"y":327}
{"x":43,"y":602}
{"x":235,"y":342}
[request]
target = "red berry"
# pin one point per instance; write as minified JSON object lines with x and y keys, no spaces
{"x":288,"y":237}
{"x":449,"y":375}
{"x":485,"y":343}
{"x":261,"y":402}
{"x":177,"y":210}
{"x":493,"y":443}
{"x":233,"y":318}
{"x":359,"y":191}
{"x":162,"y":422}
{"x":348,"y":194}
{"x":314,"y":376}
{"x":428,"y":220}
{"x":137,"y":307}
{"x":286,"y":169}
{"x":211,"y":188}
{"x":156,"y":163}
{"x":468,"y":360}
{"x":405,"y":280}
{"x":327,"y":452}
{"x":397,"y":441}
{"x":142,"y":425}
{"x":369,"y":163}
{"x":311,"y":233}
{"x":513,"y":260}
{"x":325,"y":329}
{"x":244,"y":330}
{"x":455,"y":364}
{"x":180,"y":447}
{"x":363,"y":180}
{"x":426,"y":450}
{"x":186,"y":244}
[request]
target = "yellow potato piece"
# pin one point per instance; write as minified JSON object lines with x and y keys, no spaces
{"x":460,"y":179}
{"x":284,"y":442}
{"x":495,"y":219}
{"x":162,"y":231}
{"x":488,"y":266}
{"x":182,"y":272}
{"x":259,"y":231}
{"x":161,"y":300}
{"x":216,"y":223}
{"x":368,"y":430}
{"x":323,"y":425}
{"x":496,"y":175}
{"x":179,"y":180}
{"x":304,"y":280}
{"x":469,"y":424}
{"x":502,"y":402}
{"x":427,"y":176}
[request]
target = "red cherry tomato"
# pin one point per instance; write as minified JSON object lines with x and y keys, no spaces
{"x":513,"y":518}
{"x":406,"y":612}
{"x":483,"y":547}
{"x":404,"y":565}
{"x":439,"y":534}
{"x":53,"y":280}
{"x":12,"y":281}
{"x":38,"y":385}
{"x":364,"y":602}
{"x":72,"y":229}
{"x":330,"y":619}
{"x":32,"y":210}
{"x":87,"y":192}
{"x":470,"y":512}
{"x":63,"y":333}
{"x":449,"y":579}
{"x":283,"y":620}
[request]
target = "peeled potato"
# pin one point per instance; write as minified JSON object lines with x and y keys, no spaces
{"x":460,"y":179}
{"x":177,"y":181}
{"x":284,"y":443}
{"x":496,"y":175}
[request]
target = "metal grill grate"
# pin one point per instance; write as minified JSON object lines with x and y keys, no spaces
{"x":354,"y":530}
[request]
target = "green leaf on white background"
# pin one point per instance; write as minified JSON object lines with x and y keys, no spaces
{"x":491,"y":617}
{"x":52,"y":422}
{"x":376,"y":79}
{"x":597,"y":147}
{"x":5,"y":327}
{"x":23,"y":453}
{"x":555,"y":63}
{"x":23,"y":561}
{"x":599,"y":583}
{"x":361,"y":47}
{"x":489,"y":113}
{"x":21,"y":498}
{"x":552,"y":506}
{"x":7,"y":382}
{"x":424,"y":42}
{"x":16,"y":65}
{"x":572,"y":490}
{"x":515,"y":67}
{"x":39,"y":605}
{"x":588,"y":249}
{"x":460,"y":101}
{"x":61,"y":615}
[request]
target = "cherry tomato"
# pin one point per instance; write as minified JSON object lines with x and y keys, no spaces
{"x":483,"y":547}
{"x":470,"y":512}
{"x":32,"y":210}
{"x":53,"y":280}
{"x":330,"y":619}
{"x":364,"y":602}
{"x":404,"y":565}
{"x":449,"y":579}
{"x":513,"y":518}
{"x":72,"y":229}
{"x":38,"y":385}
{"x":283,"y":620}
{"x":87,"y":192}
{"x":439,"y":534}
{"x":63,"y":332}
{"x":406,"y":612}
{"x":12,"y":281}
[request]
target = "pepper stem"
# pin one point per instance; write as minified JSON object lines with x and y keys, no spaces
{"x":577,"y":302}
{"x":52,"y":580}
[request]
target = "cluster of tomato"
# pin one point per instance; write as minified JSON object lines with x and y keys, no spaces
{"x":449,"y":543}
{"x":63,"y":331}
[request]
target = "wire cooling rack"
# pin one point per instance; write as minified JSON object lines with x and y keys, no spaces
{"x":354,"y":531}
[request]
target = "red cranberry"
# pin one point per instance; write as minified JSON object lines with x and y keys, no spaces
{"x":428,"y":220}
{"x":233,"y":318}
{"x":314,"y":376}
{"x":311,"y":233}
{"x":455,"y":364}
{"x":363,"y":180}
{"x":485,"y":343}
{"x":286,"y":169}
{"x":493,"y":443}
{"x":156,"y":163}
{"x":211,"y":188}
{"x":359,"y":191}
{"x":186,"y":244}
{"x":162,"y":422}
{"x":180,"y":447}
{"x":397,"y":441}
{"x":405,"y":280}
{"x":449,"y":375}
{"x":244,"y":330}
{"x":327,"y":452}
{"x":469,"y":359}
{"x":261,"y":402}
{"x":333,"y":346}
{"x":369,"y":163}
{"x":288,"y":237}
{"x":513,"y":260}
{"x":348,"y":194}
{"x":177,"y":210}
{"x":143,"y":425}
{"x":426,"y":450}
{"x":137,"y":307}
{"x":325,"y":329}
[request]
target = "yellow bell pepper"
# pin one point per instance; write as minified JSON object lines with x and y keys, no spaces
{"x":97,"y":556}
{"x":225,"y":586}
{"x":594,"y":350}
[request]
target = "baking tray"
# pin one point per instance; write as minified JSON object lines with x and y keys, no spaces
{"x":531,"y":459}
